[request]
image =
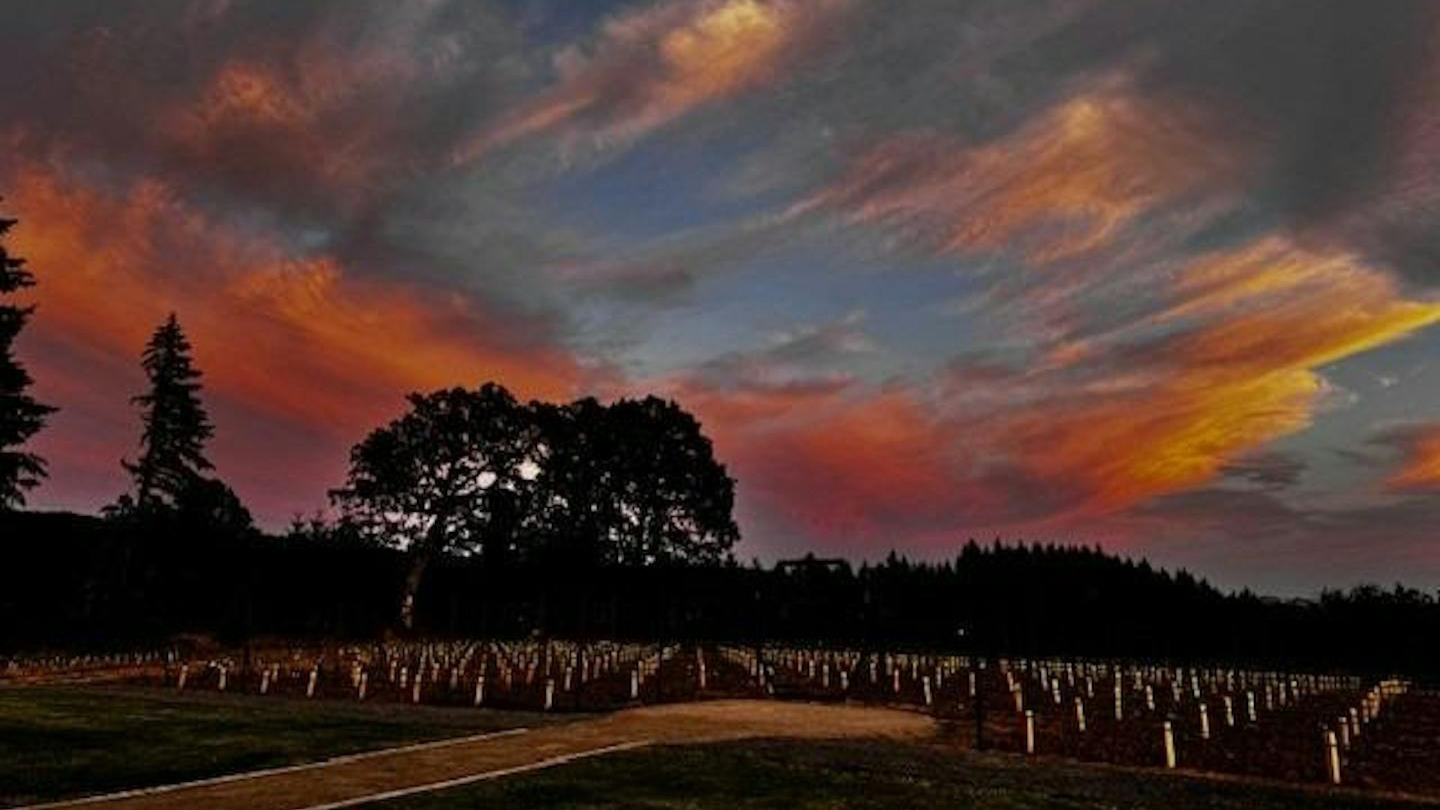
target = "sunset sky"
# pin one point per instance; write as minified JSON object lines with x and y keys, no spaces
{"x":1157,"y":275}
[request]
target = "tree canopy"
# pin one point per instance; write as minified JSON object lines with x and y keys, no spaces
{"x":577,"y":485}
{"x":444,"y":477}
{"x":634,"y":483}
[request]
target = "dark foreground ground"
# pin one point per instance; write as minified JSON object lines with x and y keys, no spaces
{"x":808,"y":775}
{"x":60,"y":742}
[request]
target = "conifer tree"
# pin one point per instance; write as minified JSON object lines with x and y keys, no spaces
{"x":176,"y":426}
{"x":20,"y":415}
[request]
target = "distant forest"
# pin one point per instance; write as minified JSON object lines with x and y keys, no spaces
{"x":98,"y":583}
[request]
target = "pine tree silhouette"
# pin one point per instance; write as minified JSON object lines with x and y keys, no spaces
{"x":20,"y":415}
{"x":176,"y":426}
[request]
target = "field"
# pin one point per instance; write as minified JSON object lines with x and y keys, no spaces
{"x":58,"y":742}
{"x":827,"y":775}
{"x":113,"y":738}
{"x":700,"y":727}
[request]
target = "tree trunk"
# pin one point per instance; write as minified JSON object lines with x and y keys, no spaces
{"x":418,"y":564}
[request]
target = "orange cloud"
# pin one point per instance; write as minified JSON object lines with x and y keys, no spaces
{"x":1421,"y":467}
{"x":866,"y":467}
{"x":843,"y":467}
{"x":1066,"y":183}
{"x":653,"y":66}
{"x":250,"y":93}
{"x":304,"y":338}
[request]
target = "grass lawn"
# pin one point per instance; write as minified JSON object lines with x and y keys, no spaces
{"x":885,"y":776}
{"x":60,"y":742}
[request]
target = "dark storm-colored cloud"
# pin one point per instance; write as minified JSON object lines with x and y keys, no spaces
{"x":1254,"y":538}
{"x":651,"y":65}
{"x":1330,"y":91}
{"x":325,"y":126}
{"x":311,"y":109}
{"x":1324,"y":103}
{"x":816,"y":357}
{"x":1270,"y":470}
{"x":1317,"y":79}
{"x":1418,"y":446}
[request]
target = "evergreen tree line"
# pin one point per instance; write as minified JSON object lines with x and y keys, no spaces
{"x":103,"y":583}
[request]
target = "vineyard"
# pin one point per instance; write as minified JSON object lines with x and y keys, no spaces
{"x":1299,"y":727}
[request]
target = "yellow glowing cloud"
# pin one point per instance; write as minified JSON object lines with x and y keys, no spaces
{"x":1125,"y":449}
{"x":726,"y":48}
{"x":1244,"y":375}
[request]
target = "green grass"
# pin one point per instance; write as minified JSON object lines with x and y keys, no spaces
{"x":873,"y":776}
{"x":71,"y":741}
{"x":64,"y":742}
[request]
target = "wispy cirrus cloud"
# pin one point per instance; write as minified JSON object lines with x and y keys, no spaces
{"x":1231,"y":362}
{"x":1270,"y":470}
{"x":1164,"y":410}
{"x":1419,"y":448}
{"x":1064,"y":184}
{"x":650,"y":66}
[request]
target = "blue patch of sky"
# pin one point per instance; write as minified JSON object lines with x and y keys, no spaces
{"x":1387,"y":386}
{"x":743,"y":309}
{"x":558,"y":21}
{"x":666,"y":186}
{"x":1394,"y":383}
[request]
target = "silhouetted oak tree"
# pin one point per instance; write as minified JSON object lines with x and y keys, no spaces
{"x":447,"y":476}
{"x":672,"y":499}
{"x":634,"y":483}
{"x":211,"y":504}
{"x":176,"y":427}
{"x":572,"y":500}
{"x":20,"y":415}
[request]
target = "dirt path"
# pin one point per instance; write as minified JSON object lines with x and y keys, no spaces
{"x":417,"y":769}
